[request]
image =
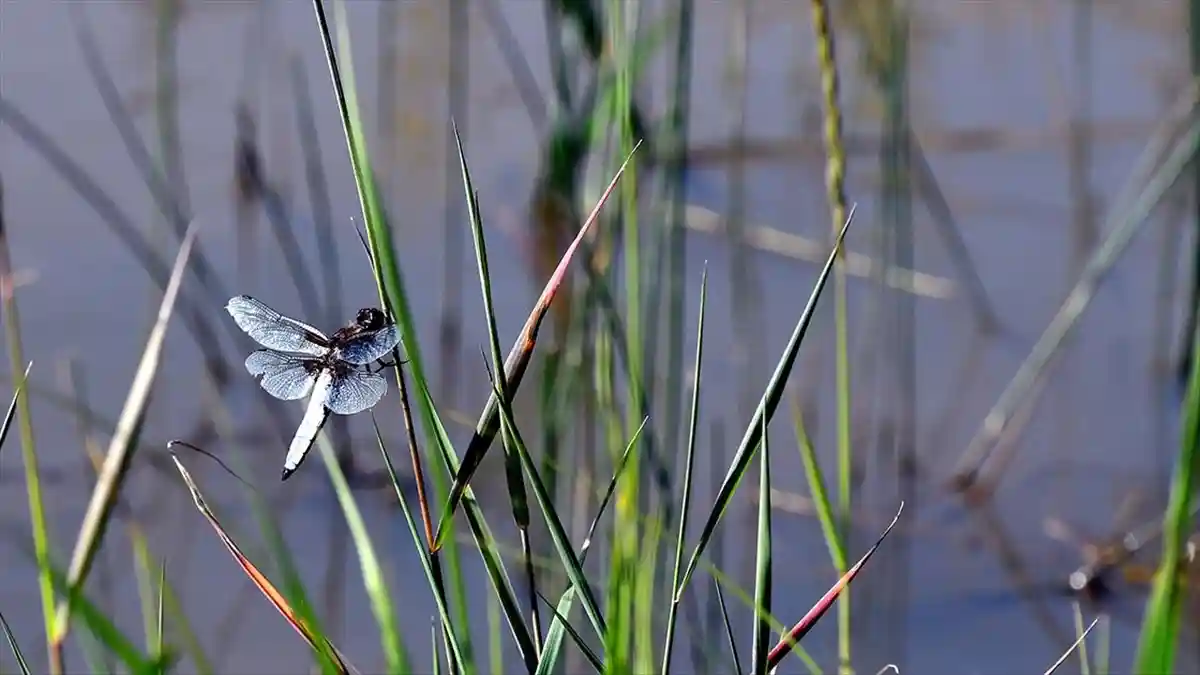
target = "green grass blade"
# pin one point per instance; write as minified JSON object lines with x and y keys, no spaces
{"x":436,"y":665}
{"x":1160,"y":624}
{"x":645,"y":590}
{"x":558,"y":533}
{"x":386,"y":268}
{"x":12,"y":644}
{"x":146,"y":592}
{"x":123,"y":443}
{"x":516,"y":363}
{"x":593,"y":660}
{"x":439,"y":594}
{"x":384,"y":261}
{"x":160,"y":639}
{"x":29,"y":458}
{"x":373,"y":579}
{"x":517,"y":496}
{"x":12,"y":405}
{"x":766,"y":408}
{"x":486,"y":545}
{"x":554,"y":637}
{"x":820,"y":495}
{"x":733,"y":650}
{"x":99,"y":625}
{"x":685,"y":506}
{"x":762,"y":575}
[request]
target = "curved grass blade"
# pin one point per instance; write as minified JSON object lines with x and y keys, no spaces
{"x":817,"y":488}
{"x":762,"y":575}
{"x":1078,"y":642}
{"x":554,"y":637}
{"x":12,"y":406}
{"x":584,"y":649}
{"x":372,"y":573}
{"x":439,"y":593}
{"x":685,"y":507}
{"x":512,"y":464}
{"x":558,"y":533}
{"x":766,"y":409}
{"x":493,"y":561}
{"x":124,"y":440}
{"x":12,"y":644}
{"x":327,"y":654}
{"x":806,"y":623}
{"x":516,"y":363}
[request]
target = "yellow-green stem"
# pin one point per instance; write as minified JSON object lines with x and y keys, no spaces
{"x":33,"y":485}
{"x":835,"y":184}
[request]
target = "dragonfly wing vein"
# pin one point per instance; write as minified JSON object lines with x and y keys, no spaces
{"x":289,"y":382}
{"x":356,"y":391}
{"x":272,"y":329}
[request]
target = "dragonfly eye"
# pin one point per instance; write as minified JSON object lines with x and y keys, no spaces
{"x":370,"y":318}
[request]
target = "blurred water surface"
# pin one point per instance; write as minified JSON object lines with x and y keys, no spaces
{"x":993,"y":86}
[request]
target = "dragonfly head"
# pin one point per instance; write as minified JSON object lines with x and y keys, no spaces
{"x":370,"y":318}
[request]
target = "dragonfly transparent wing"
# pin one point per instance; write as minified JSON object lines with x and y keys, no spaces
{"x":272,"y":329}
{"x":355,"y":391}
{"x":371,"y":347}
{"x":284,"y":376}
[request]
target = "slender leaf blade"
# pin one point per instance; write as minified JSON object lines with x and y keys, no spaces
{"x":766,"y":408}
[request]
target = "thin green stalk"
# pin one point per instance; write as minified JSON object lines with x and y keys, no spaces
{"x":762,"y":576}
{"x":835,"y":184}
{"x":1160,"y":625}
{"x":372,"y":572}
{"x":29,"y":458}
{"x":432,"y":574}
{"x":685,"y":506}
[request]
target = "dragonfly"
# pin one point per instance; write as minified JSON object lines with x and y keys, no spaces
{"x":299,"y":360}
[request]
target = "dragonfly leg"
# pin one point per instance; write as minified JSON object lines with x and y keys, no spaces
{"x":388,"y":364}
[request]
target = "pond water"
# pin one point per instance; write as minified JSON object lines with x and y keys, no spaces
{"x":993,"y":87}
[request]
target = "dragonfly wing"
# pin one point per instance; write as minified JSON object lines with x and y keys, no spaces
{"x":369,"y":348}
{"x":272,"y":329}
{"x":263,"y":361}
{"x":283,"y":376}
{"x":355,"y":391}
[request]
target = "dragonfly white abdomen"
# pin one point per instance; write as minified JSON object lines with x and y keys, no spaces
{"x":314,"y":418}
